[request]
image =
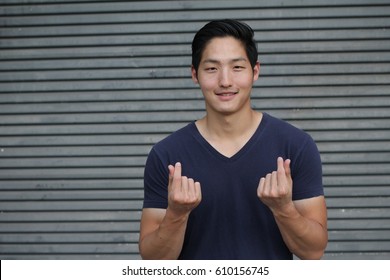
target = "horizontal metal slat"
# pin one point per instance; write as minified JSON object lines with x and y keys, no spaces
{"x":74,"y":151}
{"x":85,"y":140}
{"x":150,"y":139}
{"x":184,"y":38}
{"x":147,"y":128}
{"x":64,"y":238}
{"x":257,"y":25}
{"x":367,"y":180}
{"x":69,"y":227}
{"x":98,"y":248}
{"x":311,"y":103}
{"x":64,"y":162}
{"x":187,"y":83}
{"x":352,"y":224}
{"x":74,"y":195}
{"x":72,"y":256}
{"x":359,"y":213}
{"x":185,"y":50}
{"x":358,"y":202}
{"x":101,"y":205}
{"x":72,"y":173}
{"x":70,"y":184}
{"x":189,"y":15}
{"x":330,"y":60}
{"x":356,"y":256}
{"x":103,"y":95}
{"x":39,"y":7}
{"x":70,"y":216}
{"x":183,"y":72}
{"x":361,"y":246}
{"x":12,"y":121}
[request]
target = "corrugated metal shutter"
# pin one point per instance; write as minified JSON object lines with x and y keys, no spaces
{"x":87,"y":88}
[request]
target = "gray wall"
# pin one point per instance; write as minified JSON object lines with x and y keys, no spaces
{"x":86,"y":89}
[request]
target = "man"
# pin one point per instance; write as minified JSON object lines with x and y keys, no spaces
{"x":236,"y":184}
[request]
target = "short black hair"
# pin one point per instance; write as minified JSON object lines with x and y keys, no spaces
{"x":224,"y":28}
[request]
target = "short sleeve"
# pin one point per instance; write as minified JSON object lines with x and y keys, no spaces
{"x":155,"y":182}
{"x":307,"y":172}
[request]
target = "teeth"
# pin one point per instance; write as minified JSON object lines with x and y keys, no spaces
{"x":226,"y":94}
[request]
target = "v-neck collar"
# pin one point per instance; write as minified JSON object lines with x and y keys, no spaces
{"x":247,"y":146}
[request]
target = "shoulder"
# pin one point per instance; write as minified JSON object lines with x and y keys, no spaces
{"x":283,"y":130}
{"x":293,"y":143}
{"x":172,"y":146}
{"x":178,"y":137}
{"x":279,"y":123}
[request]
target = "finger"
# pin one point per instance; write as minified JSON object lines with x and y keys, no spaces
{"x":184,"y":185}
{"x":171,"y":170}
{"x":281,"y":171}
{"x":194,"y":192}
{"x":175,"y":173}
{"x":267,"y":185}
{"x":274,"y":183}
{"x":287,"y":168}
{"x":280,"y":163}
{"x":260,"y":188}
{"x":198,"y":191}
{"x":191,"y":186}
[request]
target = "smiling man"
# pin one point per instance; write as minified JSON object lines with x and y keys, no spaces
{"x":236,"y":184}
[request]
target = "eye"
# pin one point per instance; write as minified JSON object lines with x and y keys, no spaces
{"x":238,"y":68}
{"x":211,"y":69}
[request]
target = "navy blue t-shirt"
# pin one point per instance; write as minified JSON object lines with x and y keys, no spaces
{"x":231,"y":222}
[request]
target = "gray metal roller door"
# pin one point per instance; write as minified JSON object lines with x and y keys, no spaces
{"x":87,"y":88}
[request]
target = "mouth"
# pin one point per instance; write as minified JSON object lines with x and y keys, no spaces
{"x":226,"y":93}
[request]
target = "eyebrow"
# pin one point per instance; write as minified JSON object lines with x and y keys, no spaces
{"x":210,"y":60}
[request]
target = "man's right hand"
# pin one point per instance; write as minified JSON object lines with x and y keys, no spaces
{"x":184,"y":194}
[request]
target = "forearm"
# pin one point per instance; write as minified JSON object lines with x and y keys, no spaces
{"x":166,"y":241}
{"x":306,"y":238}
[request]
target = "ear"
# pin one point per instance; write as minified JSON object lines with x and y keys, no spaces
{"x":194,"y":74}
{"x":256,"y":71}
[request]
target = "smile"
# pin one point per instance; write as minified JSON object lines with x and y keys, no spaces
{"x":226,"y":93}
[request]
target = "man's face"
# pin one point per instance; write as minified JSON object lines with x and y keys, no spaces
{"x":225,"y":76}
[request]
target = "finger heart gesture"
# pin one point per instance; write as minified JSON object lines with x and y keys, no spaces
{"x":184,"y":194}
{"x":275,"y":189}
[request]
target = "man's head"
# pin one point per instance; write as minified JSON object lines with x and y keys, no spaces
{"x":224,"y":28}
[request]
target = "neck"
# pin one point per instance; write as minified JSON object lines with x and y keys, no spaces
{"x":230,"y":126}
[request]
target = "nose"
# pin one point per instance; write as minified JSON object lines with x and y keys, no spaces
{"x":225,"y":79}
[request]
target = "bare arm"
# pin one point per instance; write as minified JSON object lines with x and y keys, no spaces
{"x":304,"y":228}
{"x":161,"y":235}
{"x":162,"y":231}
{"x":302,"y":223}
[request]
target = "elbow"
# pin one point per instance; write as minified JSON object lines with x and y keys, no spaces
{"x":145,"y":255}
{"x":314,"y":253}
{"x":143,"y":250}
{"x":150,"y":253}
{"x":311,"y":255}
